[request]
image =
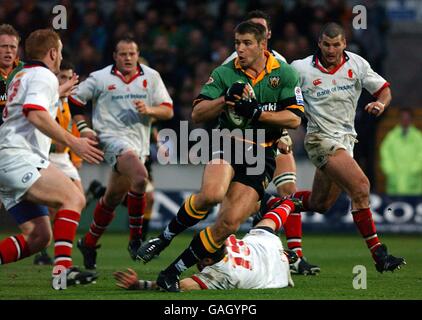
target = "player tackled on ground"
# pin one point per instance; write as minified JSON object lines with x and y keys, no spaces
{"x":257,"y":261}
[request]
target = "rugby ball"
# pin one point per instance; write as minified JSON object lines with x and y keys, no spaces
{"x":236,"y":120}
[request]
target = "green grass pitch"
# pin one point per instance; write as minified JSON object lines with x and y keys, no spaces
{"x":336,"y":255}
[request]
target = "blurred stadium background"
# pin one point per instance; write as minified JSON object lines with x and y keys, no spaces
{"x":185,"y":40}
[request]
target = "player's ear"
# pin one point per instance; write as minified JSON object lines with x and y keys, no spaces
{"x":53,"y":53}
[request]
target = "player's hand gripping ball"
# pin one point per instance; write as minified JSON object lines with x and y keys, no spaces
{"x":242,"y":106}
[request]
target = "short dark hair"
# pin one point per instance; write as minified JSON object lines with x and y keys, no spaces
{"x":7,"y":29}
{"x":258,"y":30}
{"x":332,"y":30}
{"x":127,"y":39}
{"x":258,"y":14}
{"x":66,"y":65}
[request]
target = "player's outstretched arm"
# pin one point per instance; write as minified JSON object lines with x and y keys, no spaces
{"x":129,"y":280}
{"x":83,"y":147}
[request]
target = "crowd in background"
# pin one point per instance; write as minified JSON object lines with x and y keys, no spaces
{"x":185,"y":40}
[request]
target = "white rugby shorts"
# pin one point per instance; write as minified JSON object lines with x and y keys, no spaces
{"x":319,"y":147}
{"x":19,"y":169}
{"x":64,"y":164}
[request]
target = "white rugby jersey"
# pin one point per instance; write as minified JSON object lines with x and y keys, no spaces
{"x":114,"y":111}
{"x":35,"y":87}
{"x":275,"y":54}
{"x":331,"y":97}
{"x":255,"y":262}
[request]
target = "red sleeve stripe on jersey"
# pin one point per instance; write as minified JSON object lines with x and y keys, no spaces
{"x":74,"y":101}
{"x":167,"y":104}
{"x":198,"y":281}
{"x":378,"y":92}
{"x":30,"y":107}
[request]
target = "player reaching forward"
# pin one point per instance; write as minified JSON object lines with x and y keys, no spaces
{"x":59,"y":153}
{"x":332,"y":81}
{"x":28,"y":182}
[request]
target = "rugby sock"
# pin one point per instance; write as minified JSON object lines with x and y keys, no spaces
{"x":147,"y":218}
{"x":280,"y":213}
{"x":303,"y":195}
{"x":64,"y":232}
{"x":365,"y":223}
{"x":201,"y":246}
{"x":186,"y":217}
{"x":13,"y":248}
{"x":136,"y":204}
{"x":103,"y":215}
{"x":293,"y":231}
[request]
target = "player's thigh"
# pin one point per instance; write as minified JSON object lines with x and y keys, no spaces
{"x":285,"y":174}
{"x":345,"y":171}
{"x":78,"y":184}
{"x":216,"y":180}
{"x":238,"y":205}
{"x":54,"y":189}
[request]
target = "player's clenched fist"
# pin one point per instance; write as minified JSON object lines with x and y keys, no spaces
{"x":376,"y":108}
{"x":142,"y":107}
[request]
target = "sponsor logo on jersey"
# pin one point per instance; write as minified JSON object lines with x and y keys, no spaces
{"x":210,"y":80}
{"x":111,"y":87}
{"x":299,"y":96}
{"x":145,"y":83}
{"x":27,"y":176}
{"x":350,"y":73}
{"x":317,"y":82}
{"x":274,"y":81}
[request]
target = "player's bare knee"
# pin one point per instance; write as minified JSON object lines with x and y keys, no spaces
{"x":139,"y":183}
{"x":74,"y":200}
